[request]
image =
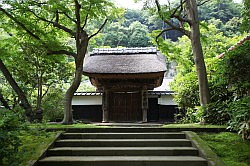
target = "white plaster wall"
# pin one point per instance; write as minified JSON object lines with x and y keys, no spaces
{"x":87,"y":100}
{"x":166,"y":100}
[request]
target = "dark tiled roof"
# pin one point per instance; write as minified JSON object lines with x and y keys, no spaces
{"x":125,"y":61}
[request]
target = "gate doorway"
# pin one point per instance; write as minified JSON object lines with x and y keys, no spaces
{"x":125,"y":106}
{"x":153,"y":110}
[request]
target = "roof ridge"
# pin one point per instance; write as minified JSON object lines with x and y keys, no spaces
{"x":125,"y":50}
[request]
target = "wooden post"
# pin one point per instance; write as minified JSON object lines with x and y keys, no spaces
{"x":105,"y":113}
{"x":144,"y":105}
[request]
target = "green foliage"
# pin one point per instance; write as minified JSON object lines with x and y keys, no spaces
{"x":138,"y":35}
{"x":239,"y":112}
{"x":186,"y":89}
{"x":190,"y":115}
{"x":236,"y":69}
{"x":223,"y":10}
{"x":193,"y":125}
{"x":53,"y":105}
{"x":246,"y":16}
{"x":228,"y":78}
{"x":34,"y":142}
{"x":217,"y":112}
{"x":10,"y":125}
{"x":115,"y":35}
{"x":19,"y":144}
{"x":34,"y":70}
{"x":229,"y":147}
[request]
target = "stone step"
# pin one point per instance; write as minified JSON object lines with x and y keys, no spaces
{"x":134,"y":129}
{"x":117,"y":130}
{"x":123,"y":151}
{"x":123,"y":161}
{"x":123,"y":143}
{"x":154,"y":135}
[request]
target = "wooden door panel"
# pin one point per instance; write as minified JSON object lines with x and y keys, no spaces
{"x":125,"y":106}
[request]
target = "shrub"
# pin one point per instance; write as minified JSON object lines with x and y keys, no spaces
{"x":239,"y":112}
{"x":191,"y":115}
{"x":53,"y":105}
{"x":10,"y":125}
{"x":217,"y":113}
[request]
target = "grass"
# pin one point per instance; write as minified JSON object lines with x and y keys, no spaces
{"x":229,"y":147}
{"x":33,"y":143}
{"x":58,"y":125}
{"x":193,"y":125}
{"x":205,"y":149}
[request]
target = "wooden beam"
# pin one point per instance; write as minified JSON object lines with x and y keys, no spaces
{"x":144,"y":105}
{"x":105,"y":101}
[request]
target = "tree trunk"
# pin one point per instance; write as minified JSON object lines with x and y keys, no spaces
{"x":4,"y":102}
{"x":39,"y":91}
{"x":39,"y":111}
{"x":68,"y":116}
{"x":198,"y":53}
{"x":24,"y":101}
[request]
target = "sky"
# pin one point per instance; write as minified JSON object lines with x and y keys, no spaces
{"x":129,"y":4}
{"x":132,"y":5}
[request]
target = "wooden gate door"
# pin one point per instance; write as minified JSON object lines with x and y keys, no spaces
{"x":125,"y":106}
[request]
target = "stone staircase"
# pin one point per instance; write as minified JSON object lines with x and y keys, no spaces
{"x":122,"y":147}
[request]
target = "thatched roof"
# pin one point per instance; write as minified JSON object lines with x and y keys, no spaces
{"x":125,"y":60}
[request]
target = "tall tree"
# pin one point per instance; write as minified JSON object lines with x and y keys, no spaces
{"x":186,"y":13}
{"x":46,"y":21}
{"x":37,"y":72}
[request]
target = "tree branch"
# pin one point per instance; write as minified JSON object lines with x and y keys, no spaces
{"x":184,"y":31}
{"x":180,"y":6}
{"x":4,"y":102}
{"x":47,"y":90}
{"x":159,"y":9}
{"x":65,"y":52}
{"x":200,"y":4}
{"x":85,"y":21}
{"x":181,"y":19}
{"x":178,"y":16}
{"x":172,"y":26}
{"x":159,"y":35}
{"x":78,"y":24}
{"x":21,"y":95}
{"x":86,"y":18}
{"x":20,"y":24}
{"x":55,"y":24}
{"x":57,"y":17}
{"x":106,"y":20}
{"x":68,"y":17}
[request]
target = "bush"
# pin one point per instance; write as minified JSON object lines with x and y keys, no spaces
{"x":190,"y":115}
{"x":53,"y":106}
{"x":239,"y":112}
{"x":10,"y":125}
{"x":217,"y":113}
